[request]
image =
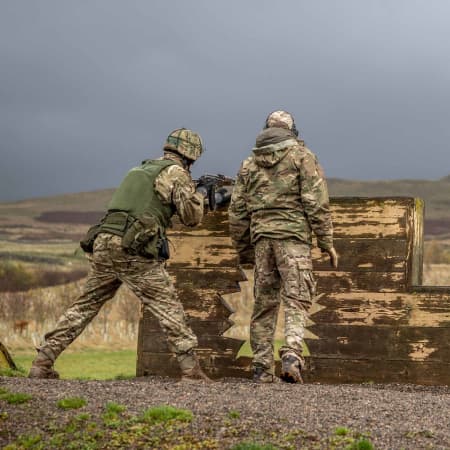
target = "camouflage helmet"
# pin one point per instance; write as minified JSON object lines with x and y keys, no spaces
{"x":186,"y":142}
{"x":281,"y":119}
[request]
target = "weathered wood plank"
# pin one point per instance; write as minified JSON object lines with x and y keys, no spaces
{"x":223,"y":280}
{"x":160,"y":364}
{"x":381,"y":342}
{"x":202,"y":252}
{"x":415,"y":232}
{"x":370,"y":218}
{"x":378,"y":308}
{"x":332,"y":370}
{"x":335,"y":281}
{"x":355,"y":254}
{"x":155,"y":342}
{"x":363,"y":217}
{"x":215,"y":365}
{"x":386,"y":255}
{"x":213,"y":224}
{"x":199,"y":326}
{"x":212,"y":307}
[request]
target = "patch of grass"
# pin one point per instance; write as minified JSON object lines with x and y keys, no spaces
{"x":82,"y":417}
{"x":8,"y":372}
{"x":111,"y":415}
{"x":252,"y":446}
{"x":113,"y":407}
{"x":361,"y":444}
{"x":423,"y":433}
{"x":165,"y":413}
{"x":15,"y":398}
{"x":341,"y":431}
{"x":89,"y":364}
{"x":71,"y":403}
{"x":234,"y":415}
{"x":25,"y":442}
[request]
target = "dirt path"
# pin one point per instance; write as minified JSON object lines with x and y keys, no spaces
{"x":225,"y":414}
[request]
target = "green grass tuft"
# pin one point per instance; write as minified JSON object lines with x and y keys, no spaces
{"x":90,"y":364}
{"x":25,"y":442}
{"x":8,"y":372}
{"x":15,"y":398}
{"x":164,"y":413}
{"x":71,"y":403}
{"x":234,"y":415}
{"x":341,"y":431}
{"x":82,"y":417}
{"x":362,"y":444}
{"x":112,"y":407}
{"x":252,"y":446}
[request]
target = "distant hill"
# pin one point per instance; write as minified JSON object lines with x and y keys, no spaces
{"x":436,"y":193}
{"x":85,"y":207}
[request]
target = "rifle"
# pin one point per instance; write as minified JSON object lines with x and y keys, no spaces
{"x":213,"y":188}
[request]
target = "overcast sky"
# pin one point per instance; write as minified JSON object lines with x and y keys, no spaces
{"x":90,"y":88}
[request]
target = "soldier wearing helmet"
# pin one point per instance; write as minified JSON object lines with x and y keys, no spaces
{"x":129,"y":246}
{"x":280,"y":198}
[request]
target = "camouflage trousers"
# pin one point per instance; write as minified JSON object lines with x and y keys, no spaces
{"x":283,"y":273}
{"x":148,"y":279}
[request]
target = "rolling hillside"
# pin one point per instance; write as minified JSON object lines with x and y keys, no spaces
{"x":69,"y":213}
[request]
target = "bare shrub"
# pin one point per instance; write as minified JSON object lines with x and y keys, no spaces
{"x":14,"y":307}
{"x":436,"y":252}
{"x":129,"y":306}
{"x":55,"y":277}
{"x":436,"y":275}
{"x":15,"y":277}
{"x":115,"y":325}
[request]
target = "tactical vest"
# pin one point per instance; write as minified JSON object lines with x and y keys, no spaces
{"x":136,"y":213}
{"x":136,"y":196}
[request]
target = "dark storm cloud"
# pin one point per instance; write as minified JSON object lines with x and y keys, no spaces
{"x":88,"y":89}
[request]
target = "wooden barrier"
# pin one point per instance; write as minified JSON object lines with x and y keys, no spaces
{"x":373,"y":320}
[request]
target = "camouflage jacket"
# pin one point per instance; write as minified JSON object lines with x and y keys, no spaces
{"x":280,"y":193}
{"x":174,"y":185}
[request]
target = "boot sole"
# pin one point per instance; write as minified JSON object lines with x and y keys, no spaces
{"x":53,"y":375}
{"x":288,"y":377}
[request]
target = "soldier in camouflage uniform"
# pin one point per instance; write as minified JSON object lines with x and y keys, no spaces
{"x":279,"y":199}
{"x":128,"y":246}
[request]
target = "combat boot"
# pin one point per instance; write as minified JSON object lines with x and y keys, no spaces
{"x":291,"y":366}
{"x":42,"y":367}
{"x":190,"y":368}
{"x":261,"y":376}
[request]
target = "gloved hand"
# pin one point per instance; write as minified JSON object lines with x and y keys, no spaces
{"x":202,"y":190}
{"x":333,"y":256}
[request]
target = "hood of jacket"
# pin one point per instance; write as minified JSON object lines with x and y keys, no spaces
{"x":272,"y":145}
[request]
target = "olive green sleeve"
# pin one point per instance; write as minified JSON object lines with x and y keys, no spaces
{"x":239,"y":219}
{"x":314,"y":195}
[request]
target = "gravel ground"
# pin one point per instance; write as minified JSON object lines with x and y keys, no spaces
{"x":233,"y":411}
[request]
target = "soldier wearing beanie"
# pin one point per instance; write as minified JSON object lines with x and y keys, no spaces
{"x":280,"y":198}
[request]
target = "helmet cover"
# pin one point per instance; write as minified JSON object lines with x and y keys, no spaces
{"x":186,"y":142}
